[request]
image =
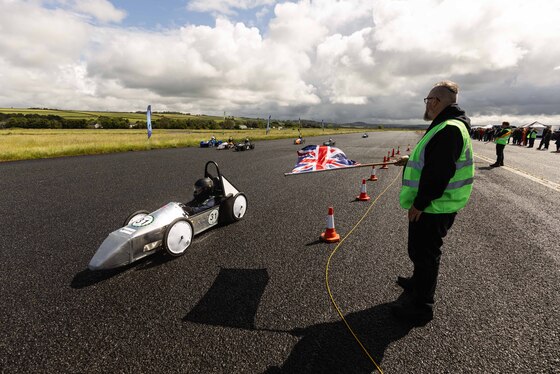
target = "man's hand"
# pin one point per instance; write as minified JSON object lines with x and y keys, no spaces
{"x":414,"y":214}
{"x":402,"y":161}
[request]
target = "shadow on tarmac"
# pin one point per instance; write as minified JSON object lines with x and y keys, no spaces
{"x":329,"y":347}
{"x":86,"y":277}
{"x":233,"y":299}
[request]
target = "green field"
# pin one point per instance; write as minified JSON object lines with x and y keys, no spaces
{"x":25,"y":144}
{"x":76,"y":114}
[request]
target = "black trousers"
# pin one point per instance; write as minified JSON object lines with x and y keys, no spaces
{"x":500,"y":154}
{"x":425,"y":238}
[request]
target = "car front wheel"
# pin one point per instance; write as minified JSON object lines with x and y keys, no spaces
{"x":178,"y":237}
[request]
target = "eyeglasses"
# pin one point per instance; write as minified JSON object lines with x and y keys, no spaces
{"x":426,"y":99}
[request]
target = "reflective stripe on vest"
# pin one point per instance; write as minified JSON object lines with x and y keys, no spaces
{"x":459,"y":188}
{"x":503,"y":139}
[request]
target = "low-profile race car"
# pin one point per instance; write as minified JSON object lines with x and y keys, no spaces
{"x":330,"y":142}
{"x":170,"y":227}
{"x":299,"y":141}
{"x":365,"y":136}
{"x":245,"y":146}
{"x":210,"y":143}
{"x":225,"y":145}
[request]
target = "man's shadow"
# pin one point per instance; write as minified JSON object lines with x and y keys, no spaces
{"x":330,"y":347}
{"x":233,"y":299}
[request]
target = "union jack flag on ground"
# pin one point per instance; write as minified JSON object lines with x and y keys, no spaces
{"x":321,"y":157}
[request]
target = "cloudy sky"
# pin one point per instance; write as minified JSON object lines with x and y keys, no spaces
{"x":343,"y":61}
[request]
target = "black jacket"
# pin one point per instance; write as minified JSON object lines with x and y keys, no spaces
{"x":442,"y":151}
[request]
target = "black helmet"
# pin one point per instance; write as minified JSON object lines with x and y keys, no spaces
{"x":202,"y":189}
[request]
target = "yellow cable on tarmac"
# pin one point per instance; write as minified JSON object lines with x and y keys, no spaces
{"x":327,"y":275}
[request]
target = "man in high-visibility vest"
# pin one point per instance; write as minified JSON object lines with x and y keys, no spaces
{"x":437,"y":182}
{"x":532,"y":135}
{"x":501,"y":139}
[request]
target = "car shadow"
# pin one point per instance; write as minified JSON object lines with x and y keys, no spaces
{"x":86,"y":277}
{"x":233,"y":299}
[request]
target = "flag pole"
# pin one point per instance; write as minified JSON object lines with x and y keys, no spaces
{"x":343,"y":168}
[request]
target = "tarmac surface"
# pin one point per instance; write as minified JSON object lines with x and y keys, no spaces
{"x":250,"y":297}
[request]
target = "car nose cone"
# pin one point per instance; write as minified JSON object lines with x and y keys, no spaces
{"x":113,"y":252}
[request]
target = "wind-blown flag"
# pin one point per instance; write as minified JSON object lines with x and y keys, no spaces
{"x":149,"y":120}
{"x":268,"y":125}
{"x":321,"y":157}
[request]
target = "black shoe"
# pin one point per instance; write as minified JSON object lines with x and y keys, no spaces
{"x":417,"y":314}
{"x":405,"y":283}
{"x":495,"y":165}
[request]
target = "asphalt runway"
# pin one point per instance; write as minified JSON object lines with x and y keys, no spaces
{"x":250,"y":297}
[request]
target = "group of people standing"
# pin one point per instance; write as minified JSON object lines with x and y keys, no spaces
{"x":520,"y":136}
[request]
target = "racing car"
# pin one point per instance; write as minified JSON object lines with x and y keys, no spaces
{"x":330,"y":142}
{"x":245,"y":146}
{"x":210,"y":143}
{"x":171,"y":227}
{"x":225,"y":145}
{"x":365,"y":136}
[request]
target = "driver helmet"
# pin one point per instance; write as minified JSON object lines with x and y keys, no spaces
{"x":202,"y":189}
{"x":330,"y":139}
{"x":246,"y":140}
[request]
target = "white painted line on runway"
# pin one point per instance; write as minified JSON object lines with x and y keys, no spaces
{"x":540,"y":180}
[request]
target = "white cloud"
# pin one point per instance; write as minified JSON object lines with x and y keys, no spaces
{"x":102,"y":10}
{"x":323,"y":59}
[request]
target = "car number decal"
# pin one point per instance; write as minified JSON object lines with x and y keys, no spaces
{"x":127,"y":230}
{"x":144,"y":221}
{"x":213,"y":217}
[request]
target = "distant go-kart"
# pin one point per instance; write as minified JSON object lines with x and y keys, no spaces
{"x":225,"y":145}
{"x":330,"y":142}
{"x":299,"y":141}
{"x":245,"y":146}
{"x":169,"y":228}
{"x":209,"y":143}
{"x":365,"y":136}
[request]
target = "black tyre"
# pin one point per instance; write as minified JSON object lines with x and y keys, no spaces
{"x":178,"y":237}
{"x":139,"y":214}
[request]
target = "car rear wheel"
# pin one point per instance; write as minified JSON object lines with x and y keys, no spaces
{"x":234,"y":208}
{"x":136,"y":216}
{"x":178,"y":237}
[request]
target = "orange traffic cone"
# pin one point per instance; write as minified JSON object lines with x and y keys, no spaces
{"x":384,"y":166}
{"x":363,"y":193}
{"x":388,"y":155}
{"x":398,"y":150}
{"x":330,"y":235}
{"x":393,"y":153}
{"x":373,"y":177}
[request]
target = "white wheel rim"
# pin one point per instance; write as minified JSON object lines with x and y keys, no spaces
{"x":239,"y":206}
{"x":179,"y":237}
{"x":137,"y":217}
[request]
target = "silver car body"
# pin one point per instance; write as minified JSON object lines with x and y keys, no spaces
{"x":144,"y":236}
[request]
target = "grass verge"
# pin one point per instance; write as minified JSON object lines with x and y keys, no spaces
{"x":27,"y":144}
